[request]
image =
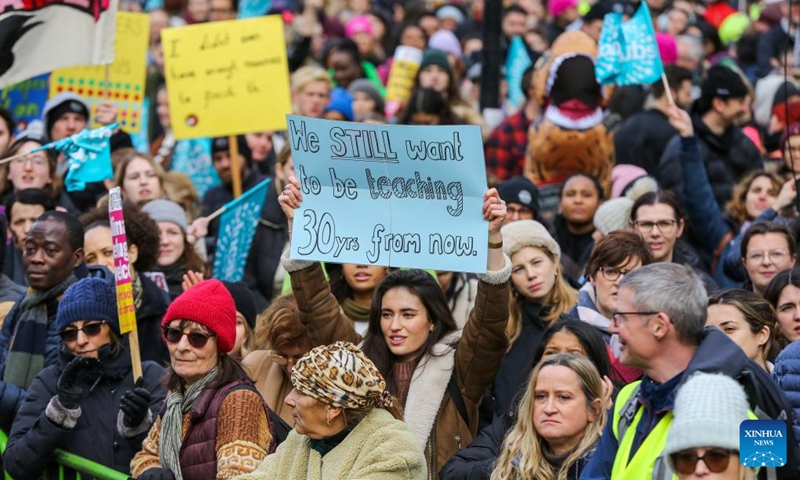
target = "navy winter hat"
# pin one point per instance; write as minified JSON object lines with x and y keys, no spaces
{"x":221,"y":144}
{"x":88,"y":299}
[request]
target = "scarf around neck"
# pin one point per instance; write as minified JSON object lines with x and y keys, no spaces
{"x":178,"y":403}
{"x":355,"y":311}
{"x":27,"y":350}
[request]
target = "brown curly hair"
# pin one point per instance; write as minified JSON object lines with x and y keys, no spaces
{"x":736,"y":207}
{"x":140,"y":229}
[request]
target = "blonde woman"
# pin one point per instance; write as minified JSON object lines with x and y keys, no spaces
{"x":553,"y":433}
{"x":539,"y":294}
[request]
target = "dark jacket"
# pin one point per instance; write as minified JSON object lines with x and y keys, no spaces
{"x":770,"y":45}
{"x":34,"y":436}
{"x":265,"y":254}
{"x":716,"y":354}
{"x":787,"y":375}
{"x":726,"y":159}
{"x":642,"y":138}
{"x":148,"y":322}
{"x":477,"y":461}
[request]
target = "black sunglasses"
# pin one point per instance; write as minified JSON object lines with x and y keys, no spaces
{"x":89,"y":329}
{"x":716,"y":459}
{"x":196,"y":339}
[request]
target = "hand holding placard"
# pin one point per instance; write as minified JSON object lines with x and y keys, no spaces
{"x":227,"y":78}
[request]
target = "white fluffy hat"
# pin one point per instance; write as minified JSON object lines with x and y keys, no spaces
{"x":528,"y":233}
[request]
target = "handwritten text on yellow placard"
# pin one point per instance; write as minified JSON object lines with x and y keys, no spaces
{"x":126,"y":78}
{"x":227,"y":78}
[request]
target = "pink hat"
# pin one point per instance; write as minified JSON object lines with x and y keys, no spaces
{"x":359,"y":24}
{"x":667,"y":47}
{"x":623,"y":175}
{"x":557,"y":7}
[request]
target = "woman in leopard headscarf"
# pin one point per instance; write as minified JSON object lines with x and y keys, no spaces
{"x":345,"y":426}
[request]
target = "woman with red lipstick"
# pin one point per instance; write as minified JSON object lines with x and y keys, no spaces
{"x":86,"y":404}
{"x":412,"y":335}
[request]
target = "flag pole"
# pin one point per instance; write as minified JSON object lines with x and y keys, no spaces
{"x":236,"y":173}
{"x":666,"y":88}
{"x":14,"y":157}
{"x":217,"y":213}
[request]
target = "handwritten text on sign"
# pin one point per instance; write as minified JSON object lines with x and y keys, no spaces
{"x":227,"y":78}
{"x":125,"y":306}
{"x":389,"y":195}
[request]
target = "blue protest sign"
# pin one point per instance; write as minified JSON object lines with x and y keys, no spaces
{"x":254,"y":8}
{"x":88,"y":156}
{"x":627,"y":53}
{"x":26,"y":99}
{"x":516,"y":62}
{"x":396,"y":195}
{"x":237,"y":225}
{"x":192,"y":157}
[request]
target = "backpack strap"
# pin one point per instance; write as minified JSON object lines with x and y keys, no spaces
{"x":628,"y":411}
{"x":458,"y":399}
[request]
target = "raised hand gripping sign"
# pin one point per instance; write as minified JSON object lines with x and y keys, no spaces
{"x":404,"y":196}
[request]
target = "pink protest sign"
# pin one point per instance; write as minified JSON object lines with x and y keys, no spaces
{"x":125,"y":306}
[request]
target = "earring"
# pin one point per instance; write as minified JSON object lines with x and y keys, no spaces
{"x":328,"y":421}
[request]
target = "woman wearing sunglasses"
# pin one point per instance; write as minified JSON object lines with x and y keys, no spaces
{"x":214,"y":423}
{"x":88,"y":403}
{"x":704,"y":439}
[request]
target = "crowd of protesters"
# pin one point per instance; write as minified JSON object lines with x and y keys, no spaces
{"x":640,"y":298}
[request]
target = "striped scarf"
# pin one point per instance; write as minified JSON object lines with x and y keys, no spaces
{"x":179,"y":403}
{"x":26,"y":353}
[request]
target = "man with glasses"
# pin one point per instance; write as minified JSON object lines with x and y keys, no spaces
{"x":767,"y":248}
{"x":53,"y":260}
{"x":660,"y":318}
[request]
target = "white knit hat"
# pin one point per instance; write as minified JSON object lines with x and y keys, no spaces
{"x":709,"y":408}
{"x":528,"y":233}
{"x":613,"y":215}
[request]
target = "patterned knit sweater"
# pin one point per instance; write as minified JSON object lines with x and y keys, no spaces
{"x":243,"y":437}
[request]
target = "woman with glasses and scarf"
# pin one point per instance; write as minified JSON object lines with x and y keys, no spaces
{"x":214,"y":423}
{"x":88,"y":403}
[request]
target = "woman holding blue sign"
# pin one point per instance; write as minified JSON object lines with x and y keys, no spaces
{"x":412,"y":334}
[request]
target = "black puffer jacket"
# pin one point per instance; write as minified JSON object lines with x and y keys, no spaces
{"x":34,"y":436}
{"x":726,"y":158}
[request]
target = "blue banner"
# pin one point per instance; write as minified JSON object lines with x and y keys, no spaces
{"x":395,"y":195}
{"x":627,"y":53}
{"x":254,"y":8}
{"x":517,"y":62}
{"x":26,"y":100}
{"x":237,"y":225}
{"x":192,"y":157}
{"x":88,"y":156}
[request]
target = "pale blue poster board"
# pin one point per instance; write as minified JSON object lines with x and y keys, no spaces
{"x":392,"y":195}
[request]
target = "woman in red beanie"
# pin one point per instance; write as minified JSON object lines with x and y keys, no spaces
{"x":211,"y":398}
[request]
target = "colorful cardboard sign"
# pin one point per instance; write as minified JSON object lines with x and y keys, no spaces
{"x":393,"y":195}
{"x":227,"y":78}
{"x":25,"y":100}
{"x":125,"y":305}
{"x":126,"y":75}
{"x":405,"y":64}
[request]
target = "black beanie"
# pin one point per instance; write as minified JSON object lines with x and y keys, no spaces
{"x":433,"y":56}
{"x":724,"y":83}
{"x":221,"y":144}
{"x":520,"y":190}
{"x":66,"y":106}
{"x":243,"y":300}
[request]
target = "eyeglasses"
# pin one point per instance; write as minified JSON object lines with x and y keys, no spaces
{"x":89,"y":329}
{"x":716,"y":459}
{"x":37,"y":160}
{"x":196,"y":339}
{"x":777,"y":255}
{"x":284,"y":360}
{"x":613,"y":273}
{"x":663,"y":225}
{"x":616,"y":315}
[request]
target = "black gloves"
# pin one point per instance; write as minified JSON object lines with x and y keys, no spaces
{"x":156,"y":474}
{"x":79,"y":374}
{"x":135,"y":405}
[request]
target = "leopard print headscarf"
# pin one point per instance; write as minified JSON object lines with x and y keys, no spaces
{"x":342,"y":376}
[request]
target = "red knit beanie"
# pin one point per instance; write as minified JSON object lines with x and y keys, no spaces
{"x":210,"y":304}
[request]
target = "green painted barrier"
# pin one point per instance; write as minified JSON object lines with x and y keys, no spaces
{"x":68,"y":462}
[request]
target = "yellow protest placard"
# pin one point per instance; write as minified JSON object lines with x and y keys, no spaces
{"x":125,"y":84}
{"x":227,"y":78}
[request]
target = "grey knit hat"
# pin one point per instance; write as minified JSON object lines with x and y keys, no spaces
{"x":166,"y":211}
{"x":528,"y":233}
{"x":365,"y":86}
{"x":613,"y":215}
{"x":709,"y":408}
